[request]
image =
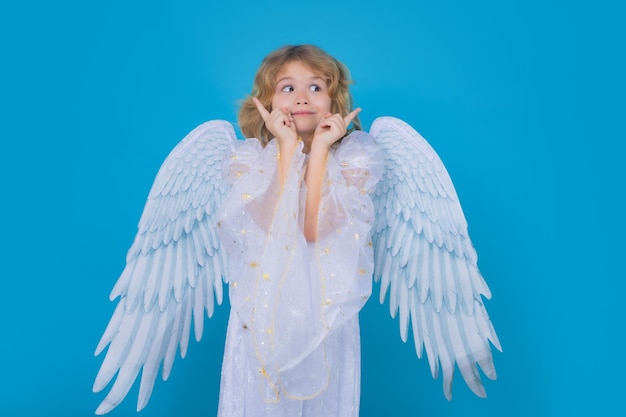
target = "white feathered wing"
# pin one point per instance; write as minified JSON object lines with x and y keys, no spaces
{"x":174,"y":269}
{"x":425,"y":259}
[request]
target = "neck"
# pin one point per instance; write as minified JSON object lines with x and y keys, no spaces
{"x":307,"y":143}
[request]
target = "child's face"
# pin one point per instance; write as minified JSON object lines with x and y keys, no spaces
{"x":304,"y":95}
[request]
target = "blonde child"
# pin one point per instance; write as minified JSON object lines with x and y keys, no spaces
{"x":296,"y":226}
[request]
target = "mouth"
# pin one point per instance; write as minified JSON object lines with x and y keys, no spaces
{"x":302,"y":113}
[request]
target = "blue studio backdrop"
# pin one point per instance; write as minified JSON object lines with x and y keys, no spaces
{"x":523,"y":101}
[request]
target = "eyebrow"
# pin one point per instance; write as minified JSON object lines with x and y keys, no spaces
{"x":316,"y":78}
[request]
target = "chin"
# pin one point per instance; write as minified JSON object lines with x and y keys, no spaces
{"x":306,"y":132}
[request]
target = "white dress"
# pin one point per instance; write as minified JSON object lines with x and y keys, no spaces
{"x":293,"y":343}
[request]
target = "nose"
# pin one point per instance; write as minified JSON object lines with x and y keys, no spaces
{"x":302,"y":99}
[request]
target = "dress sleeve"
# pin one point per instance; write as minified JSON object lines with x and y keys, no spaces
{"x":240,"y":158}
{"x":352,"y":172}
{"x":361,"y":161}
{"x":251,"y":205}
{"x":344,"y":251}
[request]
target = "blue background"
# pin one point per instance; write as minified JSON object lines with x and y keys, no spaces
{"x":523,"y":100}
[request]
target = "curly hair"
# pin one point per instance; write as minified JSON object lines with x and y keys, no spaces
{"x":334,"y":72}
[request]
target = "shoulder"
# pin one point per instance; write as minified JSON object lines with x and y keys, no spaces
{"x":359,"y":135}
{"x":248,"y":145}
{"x":358,"y":141}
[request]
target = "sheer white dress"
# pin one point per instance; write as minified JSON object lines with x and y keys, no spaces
{"x":293,"y":343}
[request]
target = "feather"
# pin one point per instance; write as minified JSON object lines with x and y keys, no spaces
{"x":404,"y":312}
{"x":121,"y":285}
{"x":449,"y":284}
{"x":189,"y":261}
{"x":111,"y":328}
{"x":176,"y":338}
{"x":153,"y":360}
{"x":136,"y":285}
{"x":209,"y":290}
{"x":217,"y":283}
{"x":416,"y":326}
{"x":436,"y":281}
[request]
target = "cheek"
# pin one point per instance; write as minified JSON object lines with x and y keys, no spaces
{"x":324,"y":104}
{"x":275,"y":103}
{"x":278,"y":101}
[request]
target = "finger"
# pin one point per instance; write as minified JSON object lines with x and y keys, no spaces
{"x":348,"y":119}
{"x":279,"y":117}
{"x":261,"y":108}
{"x":327,"y":120}
{"x":289,"y":117}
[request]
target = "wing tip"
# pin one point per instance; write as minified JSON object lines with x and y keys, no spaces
{"x":104,"y":407}
{"x":447,"y":387}
{"x":100,"y":382}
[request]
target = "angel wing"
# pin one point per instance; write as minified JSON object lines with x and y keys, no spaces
{"x":425,"y":259}
{"x":174,"y":269}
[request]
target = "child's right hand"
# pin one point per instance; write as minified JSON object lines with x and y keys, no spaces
{"x":279,"y":122}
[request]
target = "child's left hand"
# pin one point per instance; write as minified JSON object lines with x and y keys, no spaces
{"x":332,"y":128}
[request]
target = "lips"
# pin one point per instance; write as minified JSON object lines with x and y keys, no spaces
{"x":302,"y":113}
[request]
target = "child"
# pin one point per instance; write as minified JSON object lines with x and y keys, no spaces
{"x":296,"y":226}
{"x":302,"y":210}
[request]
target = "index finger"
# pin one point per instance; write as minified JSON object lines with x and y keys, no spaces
{"x":348,"y":119}
{"x":261,"y":108}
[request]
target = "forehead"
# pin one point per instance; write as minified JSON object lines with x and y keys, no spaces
{"x":298,"y":69}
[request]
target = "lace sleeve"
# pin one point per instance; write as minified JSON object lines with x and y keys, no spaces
{"x":352,"y":172}
{"x":361,"y":161}
{"x":241,"y":157}
{"x":344,"y":246}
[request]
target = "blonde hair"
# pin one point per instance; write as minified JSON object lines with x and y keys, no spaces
{"x":334,"y":72}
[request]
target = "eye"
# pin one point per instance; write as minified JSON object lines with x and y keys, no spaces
{"x":315,"y":87}
{"x":287,"y":89}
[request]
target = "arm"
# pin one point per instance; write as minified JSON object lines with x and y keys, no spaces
{"x":313,"y":178}
{"x":330,"y":130}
